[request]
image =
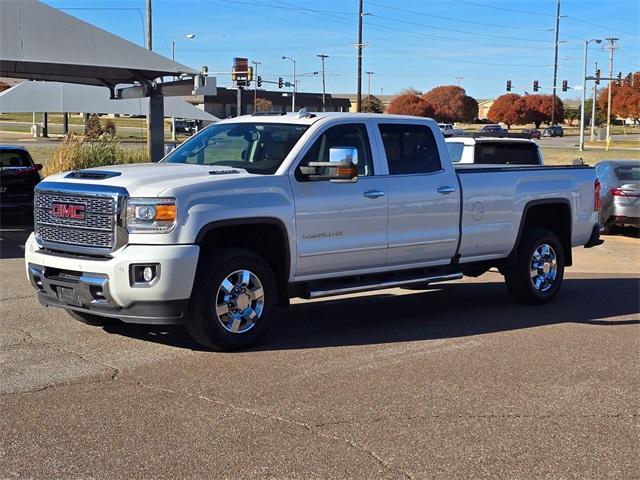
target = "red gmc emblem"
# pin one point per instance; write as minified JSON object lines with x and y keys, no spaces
{"x":73,"y":211}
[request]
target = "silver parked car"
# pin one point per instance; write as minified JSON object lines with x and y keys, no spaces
{"x":619,"y":192}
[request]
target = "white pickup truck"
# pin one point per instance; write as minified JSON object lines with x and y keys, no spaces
{"x":255,"y":210}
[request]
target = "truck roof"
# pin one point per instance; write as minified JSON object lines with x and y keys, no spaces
{"x":310,"y":118}
{"x":474,"y":140}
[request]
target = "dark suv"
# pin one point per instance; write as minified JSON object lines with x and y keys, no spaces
{"x":553,"y":131}
{"x":18,"y":178}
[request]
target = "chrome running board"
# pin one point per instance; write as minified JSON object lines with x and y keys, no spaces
{"x":318,"y":293}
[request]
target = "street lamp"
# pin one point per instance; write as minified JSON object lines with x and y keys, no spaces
{"x":584,"y":91}
{"x":190,"y":36}
{"x":293,"y":98}
{"x":369,"y":86}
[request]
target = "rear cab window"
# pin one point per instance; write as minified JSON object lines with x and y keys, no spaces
{"x":628,"y":173}
{"x":455,"y":151}
{"x":410,"y":148}
{"x":506,"y":153}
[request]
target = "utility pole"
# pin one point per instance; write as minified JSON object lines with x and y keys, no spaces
{"x":555,"y":68}
{"x":584,"y":92}
{"x":612,"y":41}
{"x":255,"y":85}
{"x":593,"y":106}
{"x":359,"y":94}
{"x":459,"y":79}
{"x":149,"y":27}
{"x":322,"y":56}
{"x":369,"y":85}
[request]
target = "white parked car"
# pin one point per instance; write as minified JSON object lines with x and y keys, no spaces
{"x":254,"y":210}
{"x":494,"y":151}
{"x":448,"y":130}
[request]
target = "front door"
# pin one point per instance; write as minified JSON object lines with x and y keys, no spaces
{"x":340,"y":227}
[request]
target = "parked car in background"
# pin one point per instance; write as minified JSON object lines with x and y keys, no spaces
{"x":18,"y":179}
{"x":494,"y":151}
{"x":188,"y":127}
{"x":619,"y":192}
{"x":532,"y":133}
{"x":448,"y":130}
{"x":553,"y":131}
{"x":494,"y":129}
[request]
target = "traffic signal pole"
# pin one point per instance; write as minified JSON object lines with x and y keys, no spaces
{"x":555,"y":68}
{"x":593,"y":107}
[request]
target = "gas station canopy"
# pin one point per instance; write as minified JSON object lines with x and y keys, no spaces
{"x":39,"y":42}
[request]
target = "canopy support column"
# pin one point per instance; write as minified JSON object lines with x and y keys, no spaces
{"x":155,"y":140}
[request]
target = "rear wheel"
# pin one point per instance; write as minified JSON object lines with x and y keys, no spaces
{"x":539,"y":269}
{"x":234,"y":294}
{"x":91,"y":319}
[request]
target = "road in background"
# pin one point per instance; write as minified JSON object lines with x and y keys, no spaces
{"x":458,"y":381}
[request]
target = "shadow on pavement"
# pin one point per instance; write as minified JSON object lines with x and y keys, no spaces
{"x":14,"y":231}
{"x":449,"y":311}
{"x":632,"y":232}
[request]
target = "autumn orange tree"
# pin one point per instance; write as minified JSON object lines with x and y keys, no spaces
{"x":509,"y":108}
{"x":625,"y":99}
{"x":410,"y":104}
{"x":538,"y":109}
{"x":451,"y":104}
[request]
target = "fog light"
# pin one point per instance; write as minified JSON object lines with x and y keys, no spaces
{"x":144,"y":275}
{"x":148,"y":274}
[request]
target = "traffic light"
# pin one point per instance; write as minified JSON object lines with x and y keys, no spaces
{"x":259,"y":81}
{"x":250,"y":74}
{"x":598,"y":76}
{"x":628,"y":80}
{"x":280,"y":82}
{"x":234,"y":77}
{"x":619,"y":81}
{"x":508,"y":85}
{"x":565,"y":85}
{"x":536,"y":86}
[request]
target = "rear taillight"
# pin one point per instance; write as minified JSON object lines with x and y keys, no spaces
{"x":617,"y":192}
{"x":596,"y":196}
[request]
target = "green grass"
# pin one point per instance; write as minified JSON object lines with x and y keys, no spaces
{"x":75,"y":119}
{"x":565,"y":156}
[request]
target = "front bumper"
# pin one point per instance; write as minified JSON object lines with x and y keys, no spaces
{"x":104,"y":286}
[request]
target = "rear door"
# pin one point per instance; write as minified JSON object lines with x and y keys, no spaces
{"x":340,"y":227}
{"x":424,"y":198}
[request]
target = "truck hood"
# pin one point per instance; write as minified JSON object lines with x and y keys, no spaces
{"x":148,"y":179}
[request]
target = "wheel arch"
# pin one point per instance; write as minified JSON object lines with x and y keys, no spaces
{"x":553,"y":214}
{"x":266,"y":236}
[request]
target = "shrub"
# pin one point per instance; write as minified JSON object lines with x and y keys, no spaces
{"x":76,"y":152}
{"x":92,"y":127}
{"x":109,"y":128}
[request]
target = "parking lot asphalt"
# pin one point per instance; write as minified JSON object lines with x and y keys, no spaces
{"x":454,"y":382}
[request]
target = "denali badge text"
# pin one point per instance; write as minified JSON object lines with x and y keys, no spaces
{"x":73,"y":211}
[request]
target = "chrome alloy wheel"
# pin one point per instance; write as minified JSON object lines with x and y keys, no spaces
{"x":544,"y":267}
{"x":239,"y":301}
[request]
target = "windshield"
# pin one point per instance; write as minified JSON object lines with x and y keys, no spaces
{"x":256,"y":147}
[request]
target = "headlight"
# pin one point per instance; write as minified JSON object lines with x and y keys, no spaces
{"x":151,"y":215}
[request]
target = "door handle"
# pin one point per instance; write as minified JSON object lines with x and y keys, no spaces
{"x":373,"y":193}
{"x":446,"y":190}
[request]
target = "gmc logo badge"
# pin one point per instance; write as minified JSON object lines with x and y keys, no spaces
{"x":73,"y":211}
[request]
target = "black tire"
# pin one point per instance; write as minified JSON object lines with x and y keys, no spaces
{"x":202,"y":320}
{"x":519,"y":280}
{"x":91,"y":319}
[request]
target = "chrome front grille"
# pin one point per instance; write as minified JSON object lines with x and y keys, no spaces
{"x":97,"y":232}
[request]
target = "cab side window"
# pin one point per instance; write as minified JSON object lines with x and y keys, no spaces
{"x":410,"y":149}
{"x":348,"y":135}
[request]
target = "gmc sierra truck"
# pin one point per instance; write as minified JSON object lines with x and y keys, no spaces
{"x":255,"y":210}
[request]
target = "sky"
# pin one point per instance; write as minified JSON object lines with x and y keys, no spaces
{"x":409,"y":43}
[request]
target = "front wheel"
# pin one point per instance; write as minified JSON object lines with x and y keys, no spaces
{"x":233,"y":296}
{"x":539,"y":269}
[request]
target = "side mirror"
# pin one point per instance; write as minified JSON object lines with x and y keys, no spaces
{"x":342,"y":166}
{"x":37,"y":166}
